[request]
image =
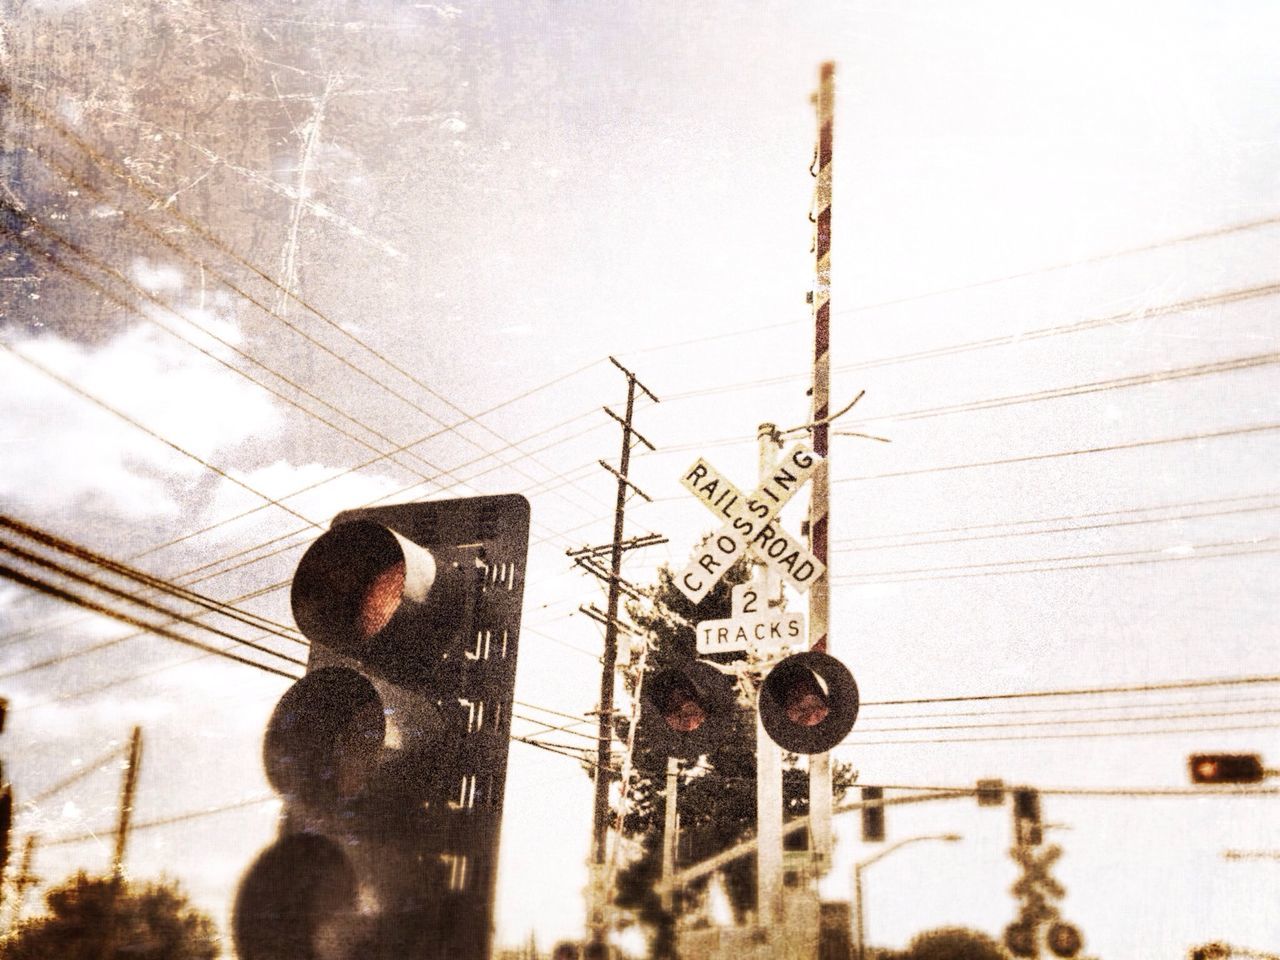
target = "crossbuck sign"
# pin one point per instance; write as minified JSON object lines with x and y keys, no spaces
{"x":749,"y":525}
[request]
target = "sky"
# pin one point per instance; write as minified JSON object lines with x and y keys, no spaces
{"x":1054,"y":235}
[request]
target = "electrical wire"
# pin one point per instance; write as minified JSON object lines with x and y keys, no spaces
{"x":1183,"y":731}
{"x":1061,"y":567}
{"x":1042,"y":520}
{"x":105,"y":163}
{"x":54,"y":591}
{"x":1109,"y":448}
{"x":1194,"y":684}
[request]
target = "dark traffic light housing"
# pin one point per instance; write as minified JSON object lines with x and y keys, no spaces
{"x":1226,"y":768}
{"x":391,"y":752}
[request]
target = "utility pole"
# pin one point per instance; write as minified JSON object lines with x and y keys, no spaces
{"x":820,"y":497}
{"x":596,"y":921}
{"x":24,"y":881}
{"x":127,"y":792}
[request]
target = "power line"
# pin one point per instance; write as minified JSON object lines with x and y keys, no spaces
{"x":1184,"y":731}
{"x":1080,"y":721}
{"x":151,"y":433}
{"x":1134,"y":792}
{"x":162,"y":822}
{"x":54,"y":591}
{"x":883,"y":574}
{"x":1197,"y":684}
{"x":1111,"y":320}
{"x":106,"y":164}
{"x":1061,"y":567}
{"x":1109,"y":448}
{"x":1041,"y":520}
{"x":1093,"y":708}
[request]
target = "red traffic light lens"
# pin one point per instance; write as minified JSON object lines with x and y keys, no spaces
{"x":808,"y":702}
{"x":682,"y":712}
{"x":353,"y":580}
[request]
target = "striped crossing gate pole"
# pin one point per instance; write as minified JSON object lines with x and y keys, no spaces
{"x":819,"y":504}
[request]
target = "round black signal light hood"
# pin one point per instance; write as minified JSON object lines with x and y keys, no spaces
{"x":808,"y":703}
{"x":325,"y":736}
{"x":293,"y":902}
{"x":688,"y":710}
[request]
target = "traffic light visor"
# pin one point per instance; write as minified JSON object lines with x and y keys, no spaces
{"x":324,"y":737}
{"x":808,"y":703}
{"x":354,"y":579}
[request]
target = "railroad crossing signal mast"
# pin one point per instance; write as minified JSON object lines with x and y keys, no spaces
{"x":391,"y":752}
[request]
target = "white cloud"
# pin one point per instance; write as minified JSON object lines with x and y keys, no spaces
{"x":95,"y":456}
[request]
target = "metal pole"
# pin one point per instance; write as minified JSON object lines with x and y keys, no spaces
{"x":857,"y":911}
{"x":768,"y":754}
{"x":859,"y":928}
{"x":669,"y":833}
{"x":820,"y":500}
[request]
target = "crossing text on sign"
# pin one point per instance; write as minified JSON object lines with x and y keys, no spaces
{"x":749,"y":524}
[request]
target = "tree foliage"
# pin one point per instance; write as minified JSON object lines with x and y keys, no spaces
{"x":716,"y":799}
{"x":953,"y":943}
{"x":151,"y":922}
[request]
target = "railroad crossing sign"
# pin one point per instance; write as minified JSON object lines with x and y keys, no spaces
{"x":750,"y":524}
{"x":753,"y":626}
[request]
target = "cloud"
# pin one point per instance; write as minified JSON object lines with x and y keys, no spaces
{"x":63,"y":449}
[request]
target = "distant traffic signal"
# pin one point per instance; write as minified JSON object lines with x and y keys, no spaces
{"x":990,"y":793}
{"x":1026,"y":817}
{"x":1211,"y":951}
{"x":391,"y":752}
{"x":872,"y":815}
{"x":1226,"y":768}
{"x":808,"y":703}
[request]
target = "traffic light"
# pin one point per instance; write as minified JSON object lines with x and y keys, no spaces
{"x":1226,"y":768}
{"x":990,"y":793}
{"x":687,"y":710}
{"x":1026,"y":817}
{"x":872,"y":815}
{"x":1211,"y":951}
{"x":390,"y":753}
{"x":808,"y":703}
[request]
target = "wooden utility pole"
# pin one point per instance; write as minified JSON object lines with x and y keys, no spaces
{"x":597,"y":921}
{"x":23,"y":882}
{"x":127,"y":792}
{"x":820,"y":498}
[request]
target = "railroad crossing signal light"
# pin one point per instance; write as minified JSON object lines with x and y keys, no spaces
{"x":808,"y":703}
{"x":688,"y":710}
{"x":391,"y":752}
{"x":1226,"y":768}
{"x":872,"y":815}
{"x":1020,"y":939}
{"x":1064,"y":940}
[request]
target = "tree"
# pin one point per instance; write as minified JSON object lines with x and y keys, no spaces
{"x":716,"y":800}
{"x":953,"y":943}
{"x":151,"y":922}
